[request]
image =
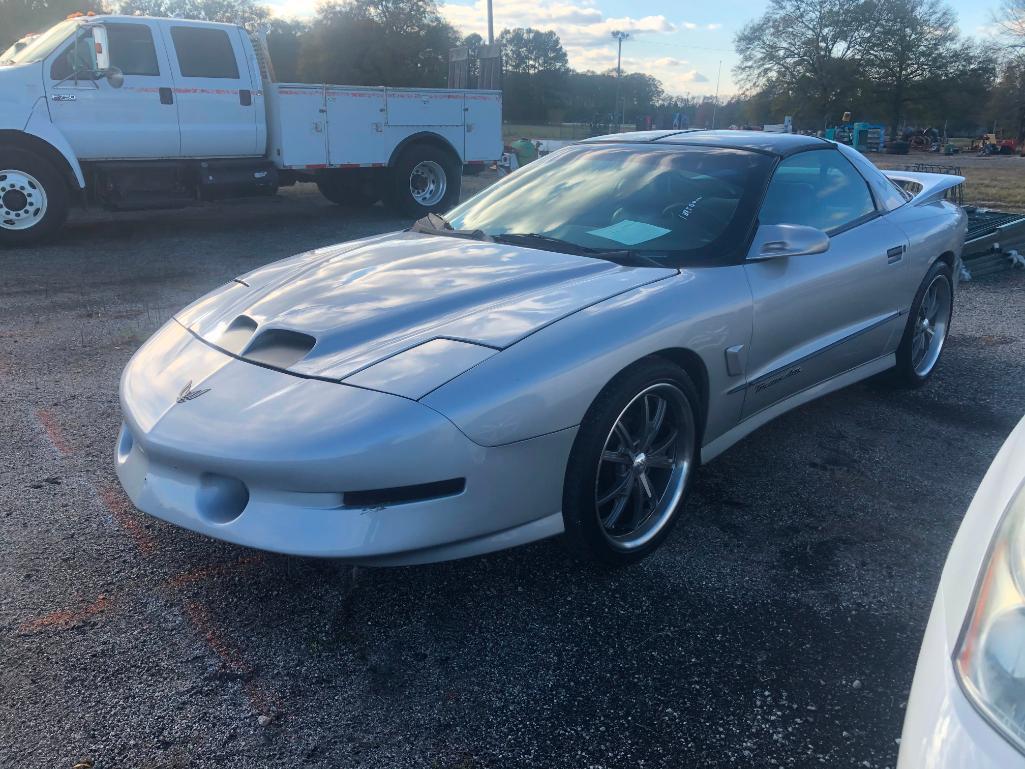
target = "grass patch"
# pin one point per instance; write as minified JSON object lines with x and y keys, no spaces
{"x":991,"y":182}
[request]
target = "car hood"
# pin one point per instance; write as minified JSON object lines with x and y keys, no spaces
{"x":336,"y":311}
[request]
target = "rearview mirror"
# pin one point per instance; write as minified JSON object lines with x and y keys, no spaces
{"x":773,"y":241}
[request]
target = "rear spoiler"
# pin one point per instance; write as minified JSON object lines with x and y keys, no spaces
{"x":925,"y":187}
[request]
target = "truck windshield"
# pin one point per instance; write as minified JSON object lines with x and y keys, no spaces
{"x":678,"y":205}
{"x":43,"y":46}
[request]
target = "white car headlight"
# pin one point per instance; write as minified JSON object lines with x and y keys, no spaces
{"x":990,"y":655}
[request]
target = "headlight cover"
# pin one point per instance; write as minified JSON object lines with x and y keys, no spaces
{"x":990,"y":655}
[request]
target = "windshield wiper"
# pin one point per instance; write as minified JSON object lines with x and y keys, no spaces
{"x":435,"y":224}
{"x":624,"y":257}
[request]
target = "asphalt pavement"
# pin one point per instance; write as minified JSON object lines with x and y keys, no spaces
{"x":777,"y":627}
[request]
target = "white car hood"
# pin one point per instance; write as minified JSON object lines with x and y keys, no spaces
{"x":340,"y":309}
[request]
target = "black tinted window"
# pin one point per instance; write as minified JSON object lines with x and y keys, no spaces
{"x":819,"y":189}
{"x":132,"y":50}
{"x":204,"y":52}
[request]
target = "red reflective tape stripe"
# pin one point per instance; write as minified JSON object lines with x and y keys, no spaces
{"x":317,"y":165}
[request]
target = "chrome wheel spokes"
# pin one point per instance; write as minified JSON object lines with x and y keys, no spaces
{"x":931,"y":325}
{"x":644,"y":465}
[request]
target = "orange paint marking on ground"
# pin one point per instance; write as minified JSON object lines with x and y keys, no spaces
{"x":123,"y":512}
{"x":54,"y":432}
{"x":206,"y":572}
{"x":262,"y":699}
{"x":230,"y":657}
{"x":67,"y":618}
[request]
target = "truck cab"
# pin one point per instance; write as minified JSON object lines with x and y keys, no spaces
{"x":131,"y":112}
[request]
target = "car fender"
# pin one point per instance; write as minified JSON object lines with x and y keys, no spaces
{"x":547,"y":381}
{"x":41,"y":127}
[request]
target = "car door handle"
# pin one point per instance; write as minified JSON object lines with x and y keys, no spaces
{"x":894,"y":255}
{"x":166,"y":96}
{"x":245,"y":97}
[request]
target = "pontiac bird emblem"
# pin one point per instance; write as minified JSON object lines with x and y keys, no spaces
{"x":188,"y":394}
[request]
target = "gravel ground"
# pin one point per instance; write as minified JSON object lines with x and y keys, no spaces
{"x":778,"y":627}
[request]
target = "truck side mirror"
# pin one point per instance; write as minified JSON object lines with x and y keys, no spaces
{"x":102,"y":49}
{"x":115,"y":77}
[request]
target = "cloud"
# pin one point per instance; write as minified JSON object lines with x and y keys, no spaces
{"x":577,"y":24}
{"x":693,"y":25}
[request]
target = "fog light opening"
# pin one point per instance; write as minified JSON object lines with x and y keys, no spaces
{"x":220,"y":499}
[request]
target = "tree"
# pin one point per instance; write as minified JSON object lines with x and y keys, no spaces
{"x":23,"y":17}
{"x":530,"y":51}
{"x":248,"y":13}
{"x":806,"y":53}
{"x":378,"y":42}
{"x":284,"y":41}
{"x":913,"y":48}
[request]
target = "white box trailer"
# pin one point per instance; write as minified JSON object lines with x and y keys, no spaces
{"x":130,"y":112}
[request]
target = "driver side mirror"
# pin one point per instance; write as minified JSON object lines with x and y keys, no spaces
{"x":115,"y":77}
{"x":773,"y":241}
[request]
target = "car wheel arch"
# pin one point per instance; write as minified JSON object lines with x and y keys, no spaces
{"x":695,"y":368}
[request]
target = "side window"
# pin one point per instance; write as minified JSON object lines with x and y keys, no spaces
{"x":77,"y":56}
{"x":819,"y":188}
{"x":132,"y":50}
{"x":204,"y":52}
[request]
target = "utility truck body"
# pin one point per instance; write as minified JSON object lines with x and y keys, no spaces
{"x":129,"y":112}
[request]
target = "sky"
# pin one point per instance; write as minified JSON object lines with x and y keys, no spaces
{"x":688,"y":45}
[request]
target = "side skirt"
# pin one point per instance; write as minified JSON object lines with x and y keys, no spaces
{"x":716,"y":447}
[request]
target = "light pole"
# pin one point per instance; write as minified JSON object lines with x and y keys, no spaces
{"x":619,"y":36}
{"x":491,"y":24}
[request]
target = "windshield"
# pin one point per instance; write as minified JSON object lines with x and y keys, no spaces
{"x":42,"y":46}
{"x":679,"y":205}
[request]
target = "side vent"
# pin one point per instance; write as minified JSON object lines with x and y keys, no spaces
{"x":278,"y":347}
{"x":237,"y":335}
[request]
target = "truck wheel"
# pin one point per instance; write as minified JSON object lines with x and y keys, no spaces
{"x":344,"y":190}
{"x":33,"y":198}
{"x":425,"y":179}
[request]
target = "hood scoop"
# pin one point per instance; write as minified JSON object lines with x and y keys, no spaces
{"x":275,"y":347}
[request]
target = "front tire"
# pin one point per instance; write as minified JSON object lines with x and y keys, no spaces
{"x":926,"y":331}
{"x":425,"y":180}
{"x":631,"y":464}
{"x":33,"y":198}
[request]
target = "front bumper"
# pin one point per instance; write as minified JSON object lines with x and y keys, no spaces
{"x":942,"y":729}
{"x":264,"y":459}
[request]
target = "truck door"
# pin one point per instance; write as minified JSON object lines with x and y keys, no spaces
{"x":213,"y":90}
{"x":483,"y":125}
{"x":138,"y":120}
{"x":355,"y":126}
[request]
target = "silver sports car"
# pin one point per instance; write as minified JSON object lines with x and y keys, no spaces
{"x":557,"y":354}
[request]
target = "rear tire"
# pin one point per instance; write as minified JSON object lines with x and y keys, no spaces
{"x":346,"y":190}
{"x":630,"y":468}
{"x":34,"y":198}
{"x":927,"y":327}
{"x":425,"y":179}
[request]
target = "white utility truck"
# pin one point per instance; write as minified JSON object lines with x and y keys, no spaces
{"x":129,"y":113}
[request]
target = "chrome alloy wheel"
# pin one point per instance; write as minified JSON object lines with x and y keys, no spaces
{"x":22,"y":200}
{"x":644,"y":466}
{"x":931,"y":325}
{"x":427,"y":183}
